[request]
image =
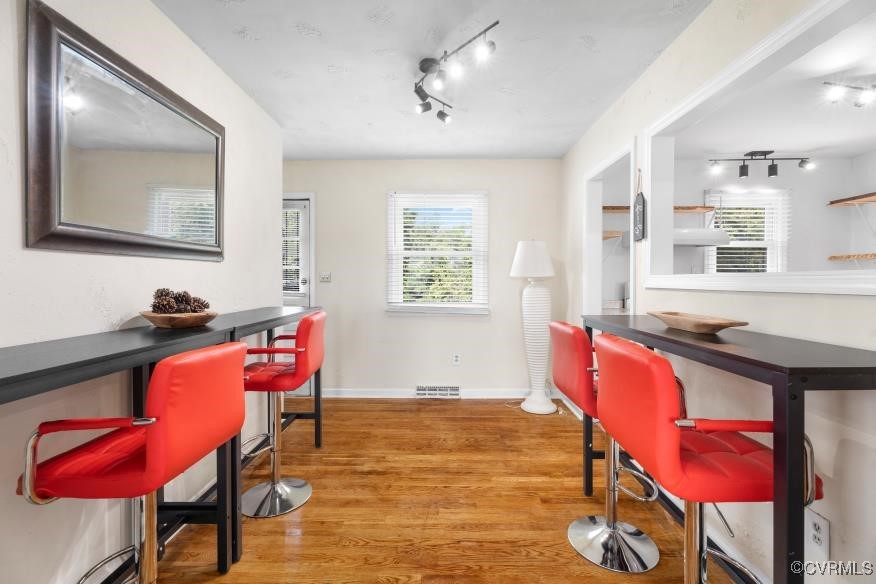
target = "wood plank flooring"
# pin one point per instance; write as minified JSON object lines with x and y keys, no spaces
{"x":428,"y":492}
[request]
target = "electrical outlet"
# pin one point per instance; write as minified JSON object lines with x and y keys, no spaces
{"x":817,"y":544}
{"x":455,"y":359}
{"x":325,"y":277}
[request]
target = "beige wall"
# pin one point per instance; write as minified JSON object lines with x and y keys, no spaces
{"x":110,"y":188}
{"x":841,"y":424}
{"x":368,"y":348}
{"x":50,"y":294}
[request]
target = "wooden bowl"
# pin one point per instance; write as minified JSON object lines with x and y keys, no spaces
{"x":181,"y":320}
{"x":695,"y":323}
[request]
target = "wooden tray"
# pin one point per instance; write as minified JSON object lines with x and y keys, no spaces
{"x":183,"y":320}
{"x":695,"y":323}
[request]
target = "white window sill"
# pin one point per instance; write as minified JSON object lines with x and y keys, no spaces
{"x":437,"y":309}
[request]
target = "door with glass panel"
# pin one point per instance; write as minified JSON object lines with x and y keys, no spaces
{"x":296,"y":262}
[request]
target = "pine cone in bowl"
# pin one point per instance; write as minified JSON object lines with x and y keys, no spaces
{"x":162,"y":293}
{"x":199,"y":304}
{"x":164,"y":305}
{"x":183,"y":297}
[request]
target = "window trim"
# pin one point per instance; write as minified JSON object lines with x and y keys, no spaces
{"x":480,"y":270}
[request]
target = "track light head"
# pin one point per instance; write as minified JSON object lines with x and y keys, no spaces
{"x":806,"y":164}
{"x":444,"y":117}
{"x":421,"y":92}
{"x":484,"y":49}
{"x":835,"y":93}
{"x":773,"y":169}
{"x":423,"y":107}
{"x":865,"y":98}
{"x":439,"y":79}
{"x":715,"y":168}
{"x":743,"y":170}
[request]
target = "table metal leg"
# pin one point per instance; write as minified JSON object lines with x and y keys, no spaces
{"x":317,"y":408}
{"x":588,"y":455}
{"x":224,"y":522}
{"x":236,"y":515}
{"x":788,"y":497}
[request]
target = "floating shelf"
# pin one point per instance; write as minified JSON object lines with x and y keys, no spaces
{"x":852,"y":257}
{"x":611,"y":235}
{"x":677,"y":209}
{"x":858,"y":200}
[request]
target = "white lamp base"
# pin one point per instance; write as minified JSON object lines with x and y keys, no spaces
{"x":538,"y":402}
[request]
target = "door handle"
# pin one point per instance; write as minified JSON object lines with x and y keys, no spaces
{"x":303,"y":281}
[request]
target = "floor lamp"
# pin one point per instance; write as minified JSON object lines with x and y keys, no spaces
{"x":532,"y":261}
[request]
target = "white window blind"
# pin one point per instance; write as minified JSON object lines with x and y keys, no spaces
{"x":759,"y":226}
{"x":291,"y":250}
{"x":183,"y":214}
{"x":436,"y":251}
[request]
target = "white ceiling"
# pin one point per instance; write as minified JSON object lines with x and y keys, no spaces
{"x":788,"y":111}
{"x":338,"y":75}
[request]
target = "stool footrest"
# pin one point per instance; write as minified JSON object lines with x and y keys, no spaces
{"x":94,"y":569}
{"x":736,"y":564}
{"x":198,"y":512}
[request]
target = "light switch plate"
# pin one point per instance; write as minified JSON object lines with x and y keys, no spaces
{"x":325,"y":277}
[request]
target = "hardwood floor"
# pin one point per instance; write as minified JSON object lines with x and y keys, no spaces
{"x":428,"y":492}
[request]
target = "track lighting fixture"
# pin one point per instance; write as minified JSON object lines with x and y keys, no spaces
{"x":863,"y":96}
{"x":715,"y":168}
{"x":449,"y":65}
{"x":759,"y":156}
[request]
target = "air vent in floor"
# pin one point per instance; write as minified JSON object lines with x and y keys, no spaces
{"x":438,"y":391}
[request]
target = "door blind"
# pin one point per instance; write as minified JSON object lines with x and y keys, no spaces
{"x":291,"y":241}
{"x":759,"y":227}
{"x":437,"y":253}
{"x":182,"y":214}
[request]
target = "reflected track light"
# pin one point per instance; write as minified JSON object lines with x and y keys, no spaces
{"x":715,"y":167}
{"x":423,"y":107}
{"x":743,"y":170}
{"x":444,"y":117}
{"x":806,"y":164}
{"x":421,"y":92}
{"x":485,"y":50}
{"x":773,"y":169}
{"x":455,"y":69}
{"x":439,"y":79}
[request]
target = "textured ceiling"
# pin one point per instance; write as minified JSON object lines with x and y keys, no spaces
{"x":338,"y":75}
{"x":788,"y":111}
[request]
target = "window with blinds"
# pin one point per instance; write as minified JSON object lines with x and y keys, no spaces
{"x":183,"y":214}
{"x":291,"y":236}
{"x":436,"y":251}
{"x":759,"y":226}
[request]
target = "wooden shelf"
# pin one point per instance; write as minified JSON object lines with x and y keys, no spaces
{"x":611,"y":234}
{"x":693,"y":209}
{"x":857,"y":200}
{"x":677,"y":209}
{"x":852,"y":257}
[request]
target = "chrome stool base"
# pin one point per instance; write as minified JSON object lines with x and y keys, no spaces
{"x":622,"y":548}
{"x":273,"y":499}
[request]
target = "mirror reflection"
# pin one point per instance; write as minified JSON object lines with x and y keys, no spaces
{"x":129,"y":163}
{"x":780,"y":176}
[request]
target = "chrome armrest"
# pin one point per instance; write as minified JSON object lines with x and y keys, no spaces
{"x":809,"y":464}
{"x":28,"y":487}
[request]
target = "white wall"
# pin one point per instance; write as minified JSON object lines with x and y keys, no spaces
{"x":616,"y":252}
{"x":841,"y":424}
{"x":50,"y":294}
{"x":368,"y":348}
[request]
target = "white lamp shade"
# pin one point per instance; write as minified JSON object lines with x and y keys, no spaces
{"x":532,"y":260}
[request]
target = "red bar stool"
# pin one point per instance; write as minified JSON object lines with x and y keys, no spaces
{"x":279,"y":495}
{"x":700,"y":461}
{"x":603,"y":540}
{"x":195,"y":403}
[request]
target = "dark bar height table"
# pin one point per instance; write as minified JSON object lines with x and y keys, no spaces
{"x":36,"y":368}
{"x":791,"y":367}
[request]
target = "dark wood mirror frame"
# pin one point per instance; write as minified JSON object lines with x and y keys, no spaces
{"x":46,"y":31}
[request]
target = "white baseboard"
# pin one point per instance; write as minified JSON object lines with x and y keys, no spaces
{"x":411,"y":393}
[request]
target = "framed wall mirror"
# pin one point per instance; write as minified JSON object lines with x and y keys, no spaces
{"x":766,"y":180}
{"x":117,"y":162}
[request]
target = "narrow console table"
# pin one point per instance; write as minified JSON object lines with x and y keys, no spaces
{"x":791,"y":367}
{"x":36,"y":368}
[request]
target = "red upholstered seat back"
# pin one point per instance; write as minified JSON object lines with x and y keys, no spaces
{"x":310,"y":336}
{"x":638,"y":405}
{"x":572,"y":356}
{"x":198,"y":400}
